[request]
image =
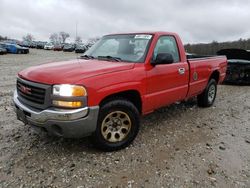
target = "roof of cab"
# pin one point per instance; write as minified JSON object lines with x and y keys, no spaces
{"x":146,"y":32}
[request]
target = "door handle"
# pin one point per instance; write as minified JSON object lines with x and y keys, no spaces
{"x":181,"y":70}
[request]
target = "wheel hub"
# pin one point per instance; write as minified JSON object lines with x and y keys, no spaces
{"x":116,"y":126}
{"x":211,"y":93}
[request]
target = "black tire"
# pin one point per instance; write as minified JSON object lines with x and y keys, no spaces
{"x":117,"y":105}
{"x":206,"y":99}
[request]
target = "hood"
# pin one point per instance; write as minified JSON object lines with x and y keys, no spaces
{"x":69,"y":72}
{"x":235,"y":54}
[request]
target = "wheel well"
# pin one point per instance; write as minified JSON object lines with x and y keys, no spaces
{"x":215,"y":75}
{"x":131,"y":95}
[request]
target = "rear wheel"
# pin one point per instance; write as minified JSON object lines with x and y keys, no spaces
{"x":207,"y":97}
{"x":118,"y":125}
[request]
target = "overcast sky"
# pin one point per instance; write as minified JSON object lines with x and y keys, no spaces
{"x":195,"y":21}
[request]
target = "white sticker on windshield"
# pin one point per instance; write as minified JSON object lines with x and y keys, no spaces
{"x":143,"y":37}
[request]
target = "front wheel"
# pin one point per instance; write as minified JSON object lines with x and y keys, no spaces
{"x":207,"y":97}
{"x":117,"y":126}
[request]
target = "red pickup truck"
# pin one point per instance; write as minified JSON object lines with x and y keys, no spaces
{"x":104,"y":92}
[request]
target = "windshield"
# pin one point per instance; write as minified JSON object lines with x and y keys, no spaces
{"x":126,"y":47}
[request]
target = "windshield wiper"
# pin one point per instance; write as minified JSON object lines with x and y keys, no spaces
{"x":108,"y":57}
{"x":87,"y":57}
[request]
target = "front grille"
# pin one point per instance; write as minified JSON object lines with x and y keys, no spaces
{"x":34,"y":94}
{"x":31,"y":93}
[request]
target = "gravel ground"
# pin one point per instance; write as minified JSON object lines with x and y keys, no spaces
{"x":178,"y":146}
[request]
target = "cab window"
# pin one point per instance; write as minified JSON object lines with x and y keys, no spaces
{"x":167,"y":44}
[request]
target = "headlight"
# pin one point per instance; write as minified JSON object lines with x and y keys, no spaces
{"x":75,"y":96}
{"x":66,"y":90}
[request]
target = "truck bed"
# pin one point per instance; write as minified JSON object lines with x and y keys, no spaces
{"x":201,"y":68}
{"x":195,"y":56}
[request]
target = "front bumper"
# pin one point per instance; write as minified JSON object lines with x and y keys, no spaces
{"x":68,"y":123}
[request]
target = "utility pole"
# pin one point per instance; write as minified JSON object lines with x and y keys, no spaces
{"x":76,"y":30}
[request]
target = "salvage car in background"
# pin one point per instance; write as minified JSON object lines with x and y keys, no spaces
{"x":80,"y":48}
{"x":238,"y":69}
{"x":33,"y":44}
{"x":48,"y":46}
{"x":40,"y":45}
{"x":15,"y":48}
{"x":3,"y":51}
{"x":69,"y":48}
{"x":58,"y":47}
{"x":24,"y":44}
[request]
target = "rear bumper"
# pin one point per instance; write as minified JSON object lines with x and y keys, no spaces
{"x":73,"y":123}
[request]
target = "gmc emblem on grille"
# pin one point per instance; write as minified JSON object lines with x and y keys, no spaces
{"x":25,"y":90}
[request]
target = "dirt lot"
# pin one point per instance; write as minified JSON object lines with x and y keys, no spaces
{"x":178,"y":146}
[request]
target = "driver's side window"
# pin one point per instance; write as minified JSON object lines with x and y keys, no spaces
{"x":167,"y":44}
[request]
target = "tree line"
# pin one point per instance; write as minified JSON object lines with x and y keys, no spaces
{"x":213,"y":47}
{"x":55,"y":38}
{"x":3,"y":38}
{"x":59,"y":38}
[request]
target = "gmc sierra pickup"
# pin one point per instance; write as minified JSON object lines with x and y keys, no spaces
{"x":104,"y":92}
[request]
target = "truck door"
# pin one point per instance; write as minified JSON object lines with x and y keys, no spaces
{"x":166,"y":83}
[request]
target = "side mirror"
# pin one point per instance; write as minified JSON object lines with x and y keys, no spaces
{"x":163,"y":58}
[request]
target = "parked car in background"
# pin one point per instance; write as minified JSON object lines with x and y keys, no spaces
{"x":238,"y":68}
{"x":33,"y":44}
{"x":48,"y":46}
{"x":58,"y":47}
{"x":15,"y":48}
{"x":80,"y":48}
{"x":40,"y":45}
{"x":3,"y":51}
{"x":69,"y":48}
{"x":28,"y":44}
{"x":2,"y":45}
{"x":24,"y":44}
{"x":11,"y":41}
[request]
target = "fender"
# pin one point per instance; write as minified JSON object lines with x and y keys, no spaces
{"x":113,"y":89}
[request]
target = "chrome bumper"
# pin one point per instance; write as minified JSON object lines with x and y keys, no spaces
{"x":51,"y":113}
{"x":69,"y":123}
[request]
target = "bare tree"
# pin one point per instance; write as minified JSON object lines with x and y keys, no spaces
{"x":54,"y":38}
{"x":3,"y":38}
{"x":63,"y":35}
{"x":28,"y":37}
